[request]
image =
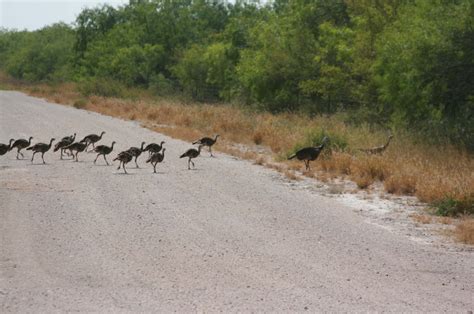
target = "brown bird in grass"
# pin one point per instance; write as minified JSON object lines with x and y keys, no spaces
{"x":21,"y":144}
{"x":4,"y":148}
{"x":136,"y":152}
{"x":78,"y":147}
{"x":92,"y":139}
{"x":40,"y":148}
{"x":124,"y":158}
{"x":207,"y":141}
{"x":103,"y":150}
{"x":191,"y":153}
{"x":308,"y":154}
{"x":156,"y":158}
{"x":377,"y":150}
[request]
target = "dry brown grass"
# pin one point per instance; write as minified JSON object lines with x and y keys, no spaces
{"x":409,"y":168}
{"x":464,"y":231}
{"x":421,"y":218}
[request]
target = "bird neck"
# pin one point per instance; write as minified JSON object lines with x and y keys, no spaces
{"x":51,"y":142}
{"x":112,"y":146}
{"x":74,"y":137}
{"x":10,"y":144}
{"x":143,"y":144}
{"x":388,"y":142}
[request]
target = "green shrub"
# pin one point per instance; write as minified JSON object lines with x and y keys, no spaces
{"x":453,"y":207}
{"x":101,"y":87}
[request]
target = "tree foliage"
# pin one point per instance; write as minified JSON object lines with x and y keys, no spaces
{"x":399,"y":63}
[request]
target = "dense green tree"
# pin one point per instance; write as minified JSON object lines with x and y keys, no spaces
{"x":400,"y":63}
{"x":41,"y":55}
{"x":425,"y":69}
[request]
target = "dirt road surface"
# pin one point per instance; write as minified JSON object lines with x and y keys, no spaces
{"x":224,"y":237}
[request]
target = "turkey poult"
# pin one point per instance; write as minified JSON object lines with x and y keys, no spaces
{"x":65,"y":141}
{"x":124,"y":158}
{"x":21,"y":144}
{"x":103,"y":150}
{"x":40,"y":148}
{"x":156,"y":158}
{"x":207,"y":141}
{"x":77,"y":147}
{"x":308,"y":154}
{"x":191,"y":153}
{"x":136,"y":152}
{"x":377,"y":150}
{"x":92,"y":139}
{"x":4,"y":148}
{"x":154,"y":148}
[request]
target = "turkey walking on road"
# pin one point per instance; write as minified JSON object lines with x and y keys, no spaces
{"x":124,"y":158}
{"x":21,"y":144}
{"x":4,"y":148}
{"x":40,"y":148}
{"x":207,"y":141}
{"x":191,"y":153}
{"x":103,"y":150}
{"x":156,"y":158}
{"x":78,"y":147}
{"x":92,"y":139}
{"x":136,"y":152}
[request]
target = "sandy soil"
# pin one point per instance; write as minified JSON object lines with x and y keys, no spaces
{"x":227,"y":236}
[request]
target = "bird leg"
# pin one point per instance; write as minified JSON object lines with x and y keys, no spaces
{"x":189,"y":160}
{"x":32,"y":157}
{"x":154,"y":167}
{"x":42,"y":157}
{"x":136,"y":161}
{"x":96,"y":158}
{"x":193,"y":164}
{"x":123,"y":165}
{"x":210,"y":151}
{"x":77,"y":153}
{"x":106,"y":160}
{"x":61,"y":154}
{"x":120,"y":163}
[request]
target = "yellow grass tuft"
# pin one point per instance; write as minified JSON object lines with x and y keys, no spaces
{"x":464,"y":231}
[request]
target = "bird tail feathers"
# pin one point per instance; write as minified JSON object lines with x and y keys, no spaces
{"x":291,"y":157}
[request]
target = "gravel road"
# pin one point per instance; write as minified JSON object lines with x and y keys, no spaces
{"x":224,"y":237}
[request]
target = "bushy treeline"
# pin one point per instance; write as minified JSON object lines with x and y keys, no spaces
{"x":401,"y":63}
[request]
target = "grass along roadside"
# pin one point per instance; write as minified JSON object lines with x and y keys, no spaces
{"x":440,"y":176}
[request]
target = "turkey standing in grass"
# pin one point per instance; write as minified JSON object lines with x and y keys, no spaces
{"x":20,"y":144}
{"x":78,"y":147}
{"x":377,"y":150}
{"x":124,"y":158}
{"x":156,"y":158}
{"x":4,"y":148}
{"x":92,"y":139}
{"x":135,"y":152}
{"x":207,"y":141}
{"x":103,"y":150}
{"x":65,"y":141}
{"x":40,"y":148}
{"x":191,"y":153}
{"x":308,"y":154}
